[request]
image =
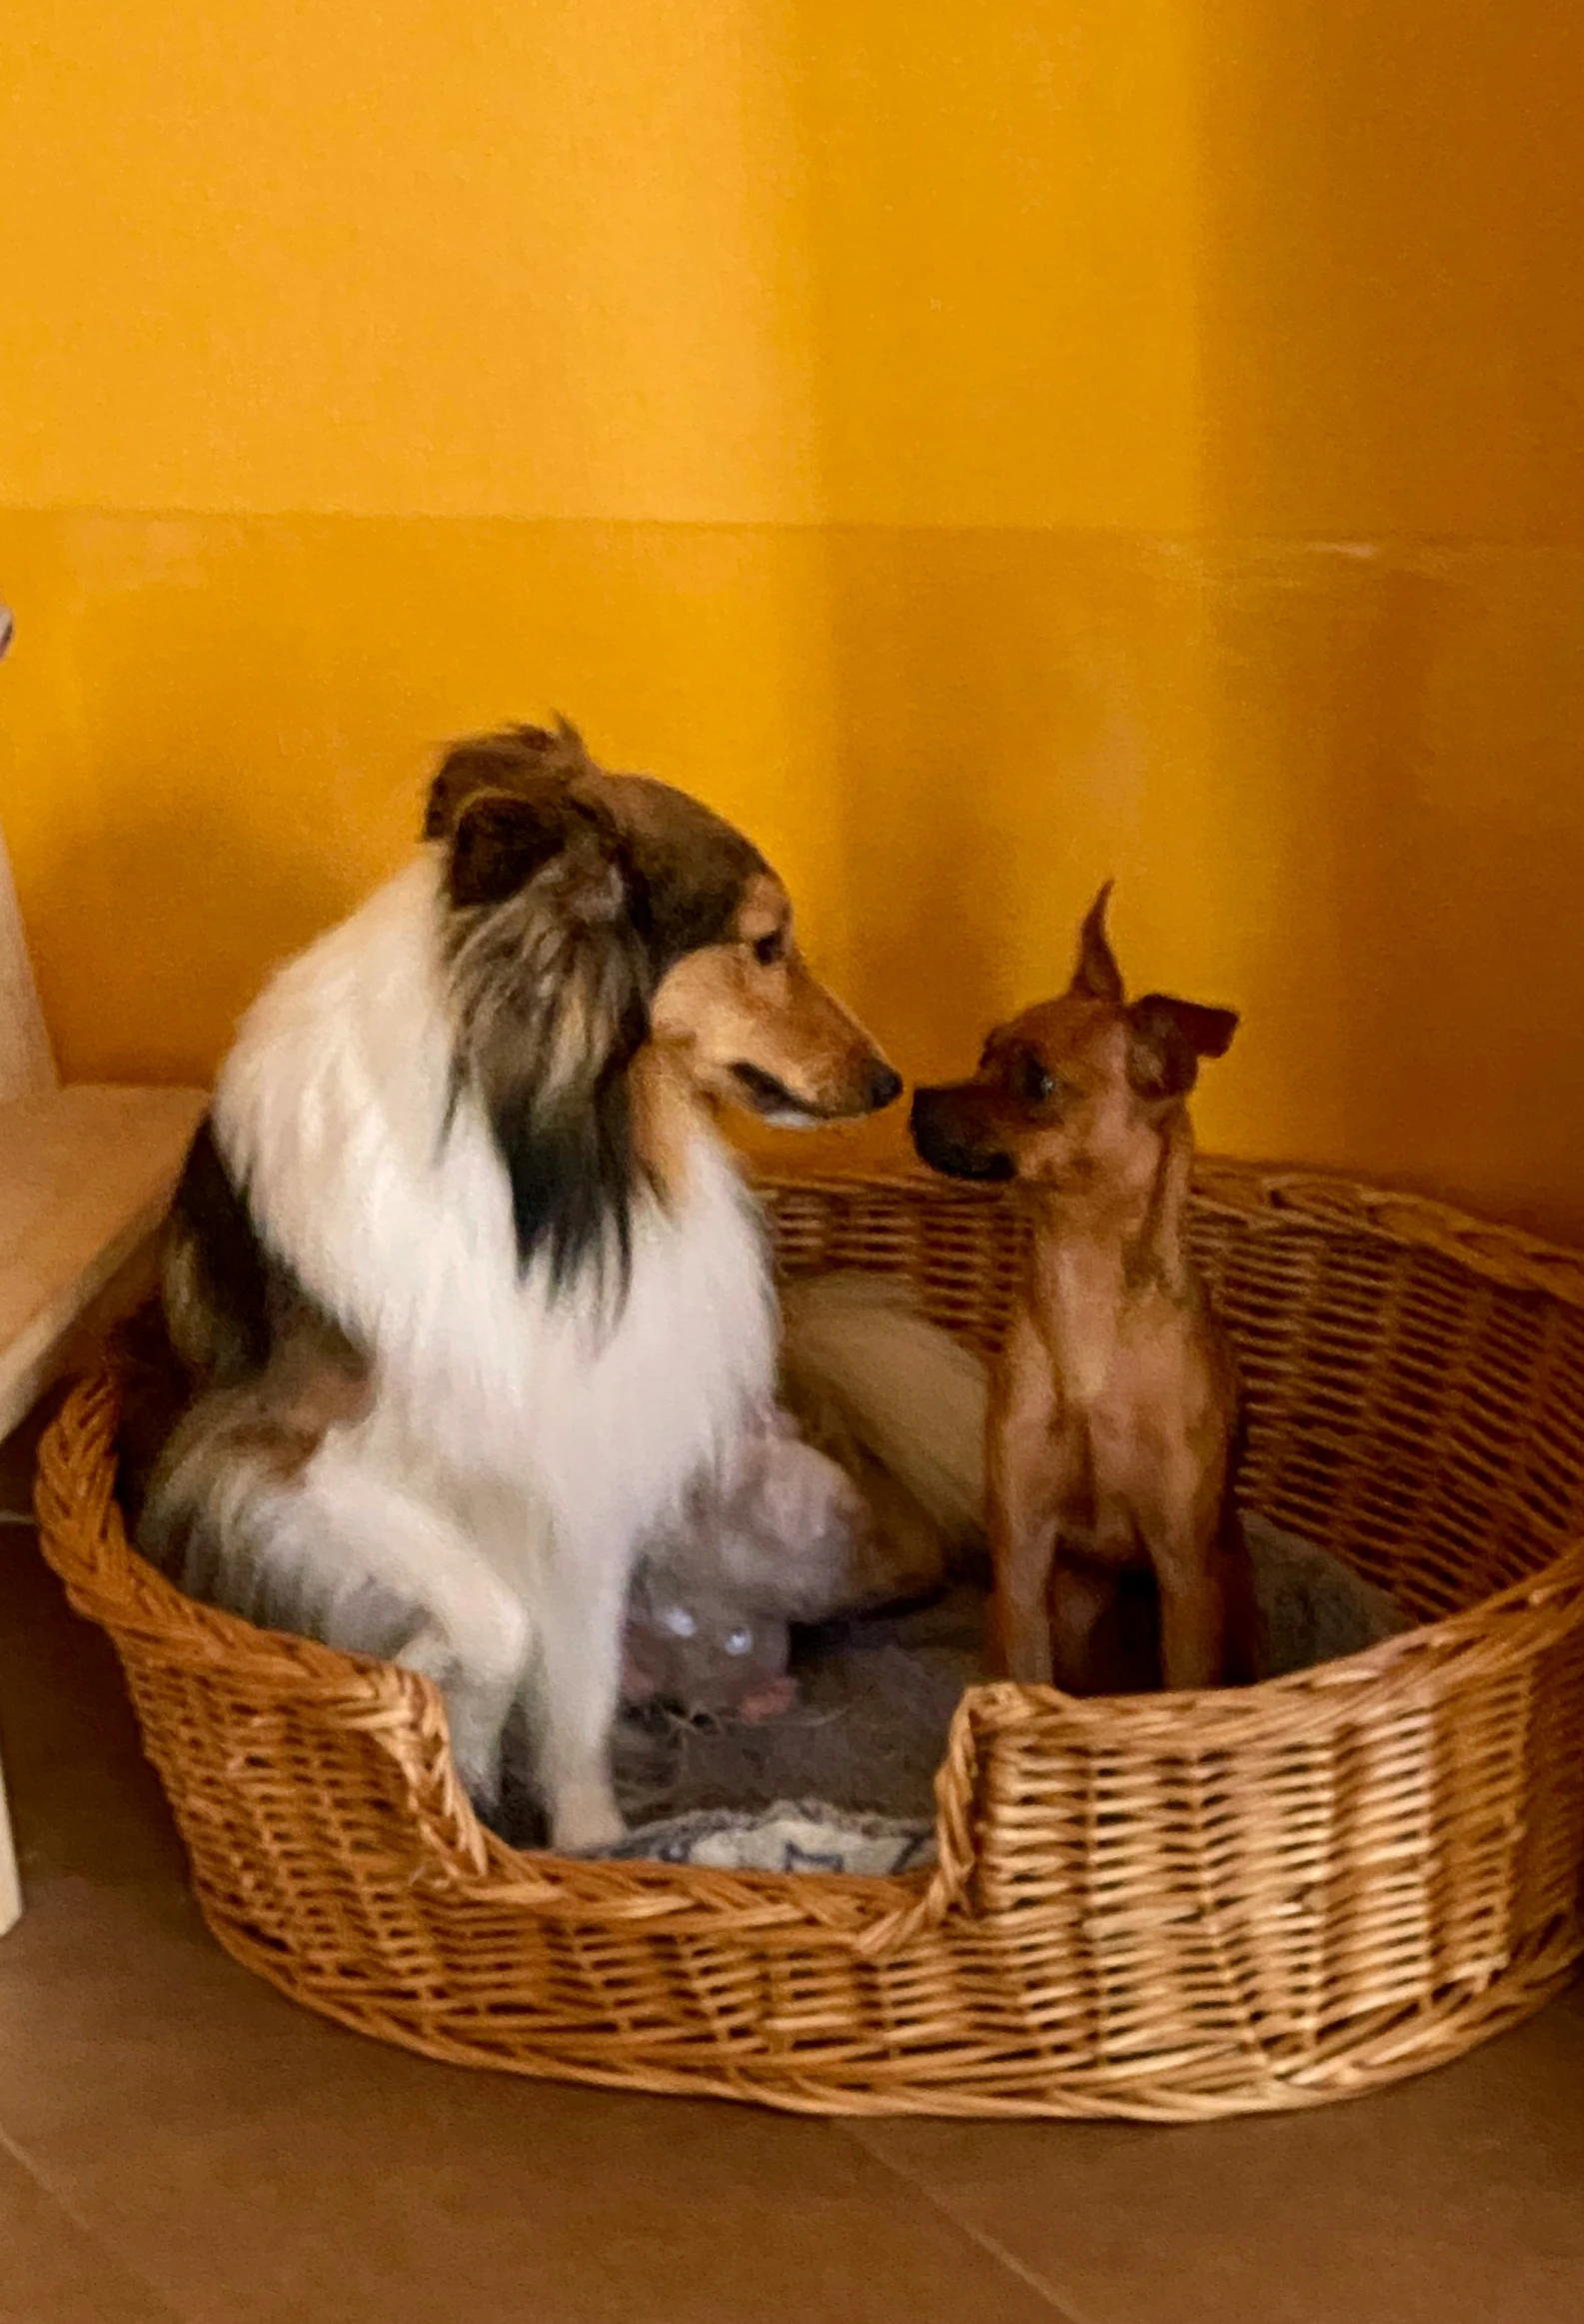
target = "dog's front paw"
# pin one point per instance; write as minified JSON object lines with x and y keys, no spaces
{"x":585,"y":1822}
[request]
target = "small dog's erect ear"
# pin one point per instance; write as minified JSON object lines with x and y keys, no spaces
{"x":1097,"y":976}
{"x":1167,"y":1039}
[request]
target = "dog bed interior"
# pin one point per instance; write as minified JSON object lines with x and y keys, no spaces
{"x":847,"y":1773}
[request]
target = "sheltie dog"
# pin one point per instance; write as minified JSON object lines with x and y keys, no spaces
{"x":464,"y":1280}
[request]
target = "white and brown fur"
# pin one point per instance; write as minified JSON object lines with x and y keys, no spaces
{"x":464,"y":1279}
{"x":1113,"y":1414}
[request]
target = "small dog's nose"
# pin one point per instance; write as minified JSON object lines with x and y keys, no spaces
{"x":884,"y":1085}
{"x":925,"y":1126}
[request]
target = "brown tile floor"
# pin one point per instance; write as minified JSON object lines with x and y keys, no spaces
{"x":177,"y":2142}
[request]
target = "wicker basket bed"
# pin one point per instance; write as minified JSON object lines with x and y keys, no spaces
{"x":1167,"y":1908}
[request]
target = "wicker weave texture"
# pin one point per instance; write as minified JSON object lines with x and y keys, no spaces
{"x":1166,"y":1908}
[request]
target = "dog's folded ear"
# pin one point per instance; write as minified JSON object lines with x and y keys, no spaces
{"x":501,"y":839}
{"x":1097,"y":977}
{"x":518,"y":760}
{"x":1167,"y":1039}
{"x":551,"y":977}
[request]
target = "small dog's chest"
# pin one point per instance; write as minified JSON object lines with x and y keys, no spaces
{"x":1117,"y":1431}
{"x":1097,"y":1470}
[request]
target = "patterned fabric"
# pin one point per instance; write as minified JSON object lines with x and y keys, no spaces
{"x":793,"y":1836}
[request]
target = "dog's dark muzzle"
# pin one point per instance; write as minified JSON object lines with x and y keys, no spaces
{"x":947,"y":1137}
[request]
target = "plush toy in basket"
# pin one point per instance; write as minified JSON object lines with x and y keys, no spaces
{"x":863,"y":1489}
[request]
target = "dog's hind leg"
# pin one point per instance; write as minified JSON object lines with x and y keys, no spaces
{"x":467,"y":1628}
{"x":339,"y":1550}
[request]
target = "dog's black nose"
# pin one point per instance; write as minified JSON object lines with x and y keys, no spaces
{"x":884,"y":1085}
{"x":939,"y":1139}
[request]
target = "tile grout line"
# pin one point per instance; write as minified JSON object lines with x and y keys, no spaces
{"x":989,"y":2244}
{"x":91,"y":2235}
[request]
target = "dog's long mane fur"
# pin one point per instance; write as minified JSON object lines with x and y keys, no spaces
{"x":558,"y":933}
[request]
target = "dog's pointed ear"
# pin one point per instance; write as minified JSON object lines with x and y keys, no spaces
{"x":1097,"y":976}
{"x":1167,"y":1038}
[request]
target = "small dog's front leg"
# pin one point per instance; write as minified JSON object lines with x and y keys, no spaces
{"x":1192,"y":1616}
{"x":1180,"y":1525}
{"x":1019,"y":1638}
{"x":1029,"y":1461}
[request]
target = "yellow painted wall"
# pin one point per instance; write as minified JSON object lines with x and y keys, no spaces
{"x":982,"y":449}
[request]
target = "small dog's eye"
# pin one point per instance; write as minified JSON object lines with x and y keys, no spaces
{"x":767,"y":949}
{"x":738,"y":1642}
{"x":1035,"y":1083}
{"x":678,"y":1621}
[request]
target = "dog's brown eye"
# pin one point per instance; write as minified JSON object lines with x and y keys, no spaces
{"x":767,"y":949}
{"x":1035,"y":1083}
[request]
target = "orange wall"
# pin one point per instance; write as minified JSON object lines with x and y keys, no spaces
{"x":982,"y":449}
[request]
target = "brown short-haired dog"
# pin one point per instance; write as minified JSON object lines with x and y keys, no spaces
{"x":1115,"y":1408}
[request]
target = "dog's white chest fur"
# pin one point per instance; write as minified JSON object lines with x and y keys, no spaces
{"x":333,"y":1108}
